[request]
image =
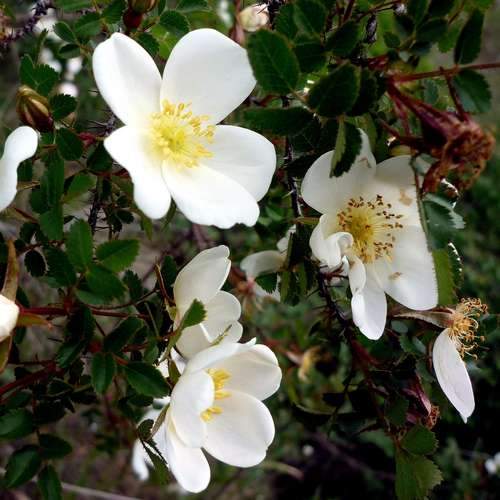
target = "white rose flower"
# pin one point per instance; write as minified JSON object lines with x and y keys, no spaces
{"x":216,"y":406}
{"x":202,"y":279}
{"x":451,"y":346}
{"x":371,"y":216}
{"x":20,"y":145}
{"x":9,"y":312}
{"x":171,"y":144}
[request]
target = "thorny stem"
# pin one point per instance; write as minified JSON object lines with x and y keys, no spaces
{"x":442,"y":72}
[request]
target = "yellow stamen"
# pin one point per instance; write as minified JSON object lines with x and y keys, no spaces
{"x":180,"y":137}
{"x":372,"y":225}
{"x":220,"y":377}
{"x":463,"y":330}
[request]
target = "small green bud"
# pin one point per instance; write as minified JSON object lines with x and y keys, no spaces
{"x":33,"y":109}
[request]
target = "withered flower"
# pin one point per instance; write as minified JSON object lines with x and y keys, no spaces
{"x":458,"y":143}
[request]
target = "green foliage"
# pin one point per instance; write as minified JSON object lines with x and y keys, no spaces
{"x":473,"y":91}
{"x":469,"y":41}
{"x":22,"y":466}
{"x":79,"y":245}
{"x":344,"y":39}
{"x":103,"y":370}
{"x":274,"y":64}
{"x":146,"y":379}
{"x":117,"y":255}
{"x":49,"y":484}
{"x":279,"y":121}
{"x":343,"y":80}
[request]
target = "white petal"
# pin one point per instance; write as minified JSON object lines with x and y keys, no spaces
{"x":140,"y":461}
{"x":395,"y":181}
{"x":254,"y":371}
{"x":210,"y":357}
{"x":244,"y":156}
{"x":241,"y":434}
{"x":202,"y":277}
{"x":369,"y":309}
{"x":409,"y":277}
{"x":20,"y":145}
{"x":188,"y":465}
{"x":127,"y":78}
{"x":357,"y":275}
{"x":210,"y":71}
{"x":256,"y":264}
{"x":208,"y":197}
{"x":327,"y":244}
{"x":329,"y":194}
{"x":9,"y":312}
{"x":128,"y":147}
{"x":196,"y":338}
{"x":452,"y":375}
{"x":223,"y":310}
{"x":191,"y":396}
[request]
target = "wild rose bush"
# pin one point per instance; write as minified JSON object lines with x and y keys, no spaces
{"x":228,"y":236}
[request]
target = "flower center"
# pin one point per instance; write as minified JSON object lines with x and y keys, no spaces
{"x":372,"y":225}
{"x":180,"y":137}
{"x":220,"y":377}
{"x":463,"y":330}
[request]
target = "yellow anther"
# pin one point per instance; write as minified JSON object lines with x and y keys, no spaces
{"x":220,"y":377}
{"x":463,"y":330}
{"x":179,"y":137}
{"x":372,"y":225}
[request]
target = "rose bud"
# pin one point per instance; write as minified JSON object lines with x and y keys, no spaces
{"x":33,"y":109}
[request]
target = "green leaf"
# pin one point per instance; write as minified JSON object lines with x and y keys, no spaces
{"x":35,"y":264}
{"x":16,"y":424}
{"x":275,"y":66}
{"x":415,"y":476}
{"x":51,"y":223}
{"x":62,"y":105}
{"x":146,"y":379}
{"x":103,"y":283}
{"x":52,"y":181}
{"x":73,"y":5}
{"x":69,"y":144}
{"x":102,"y":371}
{"x":445,"y":277}
{"x":60,"y":267}
{"x":122,"y":335}
{"x":473,"y":91}
{"x":112,"y":14}
{"x":27,"y":71}
{"x":347,"y":148}
{"x":285,"y":23}
{"x":469,"y":40}
{"x":149,"y":42}
{"x":186,"y":6}
{"x":99,"y":160}
{"x":49,"y":484}
{"x":345,"y":39}
{"x":268,"y":282}
{"x":80,"y":184}
{"x":193,"y":316}
{"x":432,"y":30}
{"x":64,"y":31}
{"x":417,"y":9}
{"x":419,"y":440}
{"x":337,"y":92}
{"x":22,"y":466}
{"x":396,"y":411}
{"x":53,"y":447}
{"x":311,"y":56}
{"x":69,"y":51}
{"x":368,"y":94}
{"x":279,"y":121}
{"x":309,"y":16}
{"x":175,"y":23}
{"x":117,"y":255}
{"x":46,"y":78}
{"x":88,"y":25}
{"x":79,"y":245}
